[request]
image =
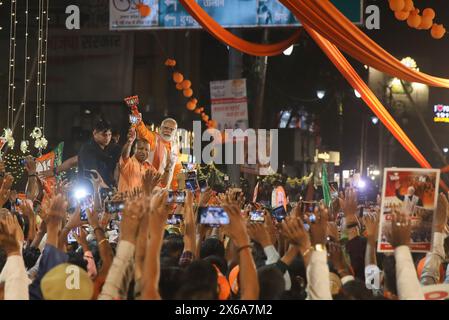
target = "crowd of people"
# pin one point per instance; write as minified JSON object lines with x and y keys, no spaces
{"x":141,"y":253}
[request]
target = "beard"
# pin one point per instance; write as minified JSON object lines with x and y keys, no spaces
{"x":167,"y":137}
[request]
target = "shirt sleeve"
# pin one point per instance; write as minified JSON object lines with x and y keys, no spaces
{"x":144,"y":133}
{"x":272,"y":254}
{"x":50,"y":258}
{"x":15,"y":278}
{"x":434,"y":259}
{"x":118,"y":276}
{"x":407,"y":281}
{"x":318,"y":282}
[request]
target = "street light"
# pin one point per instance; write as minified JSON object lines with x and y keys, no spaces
{"x":445,"y":150}
{"x":288,"y":51}
{"x":320,"y":94}
{"x":374,"y":120}
{"x":357,"y":94}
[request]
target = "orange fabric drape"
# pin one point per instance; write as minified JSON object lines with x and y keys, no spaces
{"x":326,"y":19}
{"x":326,"y":23}
{"x":216,"y":30}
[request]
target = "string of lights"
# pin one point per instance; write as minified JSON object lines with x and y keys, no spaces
{"x":12,"y":63}
{"x":24,"y":144}
{"x":45,"y":57}
{"x":39,"y":65}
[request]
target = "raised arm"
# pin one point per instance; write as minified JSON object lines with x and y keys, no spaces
{"x":237,"y":231}
{"x":157,"y":219}
{"x":434,"y":259}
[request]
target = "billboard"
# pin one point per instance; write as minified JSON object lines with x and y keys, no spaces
{"x":170,"y":14}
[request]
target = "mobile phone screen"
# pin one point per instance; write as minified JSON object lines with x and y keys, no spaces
{"x":257,"y":216}
{"x":214,"y":216}
{"x":176,"y":197}
{"x":191,"y":184}
{"x":279,"y":213}
{"x":133,"y":119}
{"x":202,"y":184}
{"x":175,"y":219}
{"x":114,"y":206}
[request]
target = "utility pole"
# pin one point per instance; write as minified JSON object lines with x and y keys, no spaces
{"x":235,"y":71}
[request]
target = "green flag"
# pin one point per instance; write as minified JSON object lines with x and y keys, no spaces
{"x":326,"y":189}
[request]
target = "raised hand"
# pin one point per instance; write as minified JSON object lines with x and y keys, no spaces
{"x":371,"y":222}
{"x":442,"y":213}
{"x":150,"y":180}
{"x":131,"y":219}
{"x":92,"y":218}
{"x":82,"y":239}
{"x":57,"y":210}
{"x":132,"y":135}
{"x":400,"y":230}
{"x":349,"y":205}
{"x":5,"y":189}
{"x":75,"y":219}
{"x":332,"y":231}
{"x":293,"y":230}
{"x":259,"y":234}
{"x":9,"y":235}
{"x":205,"y":197}
{"x":30,"y":165}
{"x":337,"y":259}
{"x":160,"y":211}
{"x":318,"y":229}
{"x":236,"y":229}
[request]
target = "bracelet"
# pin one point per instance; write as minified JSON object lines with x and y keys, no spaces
{"x":307,"y":251}
{"x":32,"y":175}
{"x":104,"y":240}
{"x":243,"y":247}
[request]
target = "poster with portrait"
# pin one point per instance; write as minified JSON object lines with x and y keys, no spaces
{"x":412,"y":192}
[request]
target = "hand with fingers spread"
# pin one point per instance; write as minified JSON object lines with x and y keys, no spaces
{"x":131,"y":219}
{"x":293,"y":230}
{"x":318,"y":229}
{"x":75,"y":219}
{"x":442,"y":213}
{"x":400,"y":230}
{"x":236,"y":229}
{"x":371,"y":222}
{"x":332,"y":231}
{"x":30,"y":165}
{"x":57,"y":210}
{"x":337,"y":259}
{"x":82,"y":239}
{"x":159,"y":212}
{"x":5,"y":189}
{"x":92,"y":218}
{"x":9,"y":230}
{"x":349,"y":205}
{"x":150,"y":180}
{"x":27,"y":210}
{"x":258,"y":233}
{"x":205,"y":197}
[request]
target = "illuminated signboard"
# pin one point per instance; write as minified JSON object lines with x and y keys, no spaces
{"x":441,"y":113}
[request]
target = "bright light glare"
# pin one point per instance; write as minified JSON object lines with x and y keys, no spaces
{"x":80,"y":193}
{"x":288,"y":51}
{"x":320,"y":94}
{"x":357,"y":94}
{"x":361,"y":184}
